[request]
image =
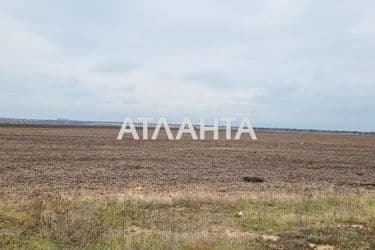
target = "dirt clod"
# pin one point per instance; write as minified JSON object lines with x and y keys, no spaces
{"x":253,"y":179}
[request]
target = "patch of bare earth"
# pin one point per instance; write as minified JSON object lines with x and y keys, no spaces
{"x":91,"y":159}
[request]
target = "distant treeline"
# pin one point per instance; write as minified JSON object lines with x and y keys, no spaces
{"x":75,"y":123}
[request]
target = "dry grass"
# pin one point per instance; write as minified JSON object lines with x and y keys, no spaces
{"x":190,"y":221}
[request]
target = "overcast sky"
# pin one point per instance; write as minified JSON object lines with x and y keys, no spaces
{"x":295,"y":63}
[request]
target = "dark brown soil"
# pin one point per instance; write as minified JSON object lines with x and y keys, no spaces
{"x":69,"y":159}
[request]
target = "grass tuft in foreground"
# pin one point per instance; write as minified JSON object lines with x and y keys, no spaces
{"x":189,"y":223}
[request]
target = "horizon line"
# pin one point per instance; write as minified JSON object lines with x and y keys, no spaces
{"x":62,"y":122}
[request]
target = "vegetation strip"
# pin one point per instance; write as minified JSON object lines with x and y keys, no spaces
{"x":189,"y":223}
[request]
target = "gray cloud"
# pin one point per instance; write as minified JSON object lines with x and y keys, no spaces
{"x":115,"y":67}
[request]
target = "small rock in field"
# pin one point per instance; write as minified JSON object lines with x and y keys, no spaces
{"x":321,"y":247}
{"x":312,"y":245}
{"x":240,"y":214}
{"x":358,"y":227}
{"x":253,"y":179}
{"x":270,"y":238}
{"x":325,"y":247}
